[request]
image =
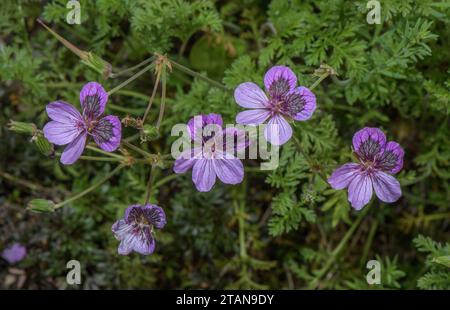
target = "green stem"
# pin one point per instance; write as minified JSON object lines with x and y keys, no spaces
{"x":166,"y":180}
{"x":96,"y":158}
{"x":151,"y":176}
{"x":131,"y":79}
{"x":137,"y":149}
{"x":152,"y":97}
{"x":93,"y":148}
{"x":369,"y":241}
{"x":133,"y":111}
{"x":143,"y":63}
{"x":163,"y":97}
{"x":339,"y":248}
{"x":91,"y":188}
{"x":198,"y":75}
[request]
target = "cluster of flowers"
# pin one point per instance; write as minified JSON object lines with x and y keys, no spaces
{"x":282,"y":102}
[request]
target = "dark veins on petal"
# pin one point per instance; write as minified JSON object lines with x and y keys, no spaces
{"x":103,"y":131}
{"x":148,"y":234}
{"x":387,"y":161}
{"x":293,"y":104}
{"x":91,"y":106}
{"x":153,"y":216}
{"x":368,"y":149}
{"x":279,"y":88}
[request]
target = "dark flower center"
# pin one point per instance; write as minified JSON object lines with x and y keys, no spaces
{"x":368,"y":149}
{"x":284,"y":101}
{"x":279,"y":88}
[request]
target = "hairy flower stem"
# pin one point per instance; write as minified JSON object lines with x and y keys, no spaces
{"x":319,"y":80}
{"x":131,"y":69}
{"x":239,"y":207}
{"x":91,"y":188}
{"x":131,"y":79}
{"x":198,"y":75}
{"x":96,"y":158}
{"x":93,"y":148}
{"x":150,"y":101}
{"x":163,"y":97}
{"x":151,"y":176}
{"x":137,"y":149}
{"x":332,"y":258}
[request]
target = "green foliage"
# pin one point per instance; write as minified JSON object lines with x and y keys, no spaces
{"x":279,"y":229}
{"x":437,"y":263}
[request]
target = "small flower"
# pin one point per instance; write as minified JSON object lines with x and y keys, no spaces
{"x":14,"y":253}
{"x":212,"y":155}
{"x":68,"y":126}
{"x":135,"y":230}
{"x":377,"y":160}
{"x":284,"y":102}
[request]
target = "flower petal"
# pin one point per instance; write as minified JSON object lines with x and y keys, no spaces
{"x":74,"y":150}
{"x":249,"y":95}
{"x":144,"y":243}
{"x":186,"y":160}
{"x":279,"y":80}
{"x":14,"y":253}
{"x":278,"y":131}
{"x":343,"y":175}
{"x":61,"y":133}
{"x":63,"y":112}
{"x":234,"y":140}
{"x":309,"y":104}
{"x":369,"y":142}
{"x":229,"y":171}
{"x":360,"y":191}
{"x":121,"y":228}
{"x":252,"y":117}
{"x":155,"y":215}
{"x":392,"y":158}
{"x":203,"y":175}
{"x":198,"y":122}
{"x":386,"y":187}
{"x":107,"y":133}
{"x":93,"y":98}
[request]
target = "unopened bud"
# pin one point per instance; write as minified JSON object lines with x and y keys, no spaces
{"x":97,"y":64}
{"x":42,"y":144}
{"x":41,"y":206}
{"x":149,"y":133}
{"x":22,"y":128}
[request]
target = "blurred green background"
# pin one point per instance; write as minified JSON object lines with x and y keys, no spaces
{"x":278,"y":229}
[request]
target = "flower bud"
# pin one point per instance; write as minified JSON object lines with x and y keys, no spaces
{"x":97,"y":64}
{"x":42,"y":144}
{"x":22,"y":128}
{"x":149,"y":133}
{"x":41,"y":206}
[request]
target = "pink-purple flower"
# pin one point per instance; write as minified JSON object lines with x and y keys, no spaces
{"x":284,"y":102}
{"x":14,"y":253}
{"x":213,"y":154}
{"x":69,"y":127}
{"x":378,"y":159}
{"x":135,"y":230}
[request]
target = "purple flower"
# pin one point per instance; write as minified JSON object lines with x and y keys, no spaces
{"x":213,"y":154}
{"x":14,"y":253}
{"x":135,"y":230}
{"x":68,"y":126}
{"x":284,"y":102}
{"x":376,"y":160}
